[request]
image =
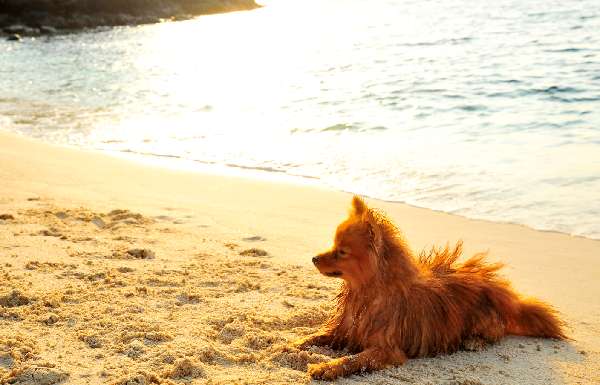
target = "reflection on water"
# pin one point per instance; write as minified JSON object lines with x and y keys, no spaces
{"x":489,"y":110}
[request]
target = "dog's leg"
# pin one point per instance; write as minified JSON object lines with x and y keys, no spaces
{"x":317,"y":339}
{"x":365,"y":361}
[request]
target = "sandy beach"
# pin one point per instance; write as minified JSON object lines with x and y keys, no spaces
{"x":118,"y":272}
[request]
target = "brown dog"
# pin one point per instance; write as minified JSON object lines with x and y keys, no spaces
{"x":393,"y":306}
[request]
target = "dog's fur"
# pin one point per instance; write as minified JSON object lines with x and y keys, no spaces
{"x":393,"y":305}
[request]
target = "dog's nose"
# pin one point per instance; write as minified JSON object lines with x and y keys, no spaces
{"x":315,"y":260}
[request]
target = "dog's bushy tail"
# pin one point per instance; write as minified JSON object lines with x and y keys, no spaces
{"x":442,"y":262}
{"x":537,"y":319}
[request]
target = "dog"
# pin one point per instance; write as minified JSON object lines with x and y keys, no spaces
{"x":394,"y":305}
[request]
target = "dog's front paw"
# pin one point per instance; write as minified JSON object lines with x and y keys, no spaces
{"x":325,"y":371}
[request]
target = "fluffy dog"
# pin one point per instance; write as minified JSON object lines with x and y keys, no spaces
{"x":393,"y":305}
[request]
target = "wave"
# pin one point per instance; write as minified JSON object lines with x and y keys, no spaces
{"x":340,"y":127}
{"x":452,"y":41}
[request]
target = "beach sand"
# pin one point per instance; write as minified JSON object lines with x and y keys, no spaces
{"x":114,"y":271}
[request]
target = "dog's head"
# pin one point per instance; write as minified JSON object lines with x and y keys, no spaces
{"x":358,"y":242}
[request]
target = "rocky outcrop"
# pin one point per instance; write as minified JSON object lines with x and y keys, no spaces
{"x":43,"y":17}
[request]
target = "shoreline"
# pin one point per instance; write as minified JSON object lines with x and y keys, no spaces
{"x":205,"y":293}
{"x":256,"y":173}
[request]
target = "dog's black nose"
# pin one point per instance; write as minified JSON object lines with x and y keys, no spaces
{"x":315,"y":260}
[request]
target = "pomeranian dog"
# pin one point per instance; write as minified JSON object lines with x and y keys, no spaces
{"x":393,"y":306}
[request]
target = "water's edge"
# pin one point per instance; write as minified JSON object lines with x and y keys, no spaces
{"x":177,"y":163}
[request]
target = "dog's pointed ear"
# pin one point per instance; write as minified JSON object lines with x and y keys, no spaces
{"x":368,"y":217}
{"x":375,"y":230}
{"x":359,"y":207}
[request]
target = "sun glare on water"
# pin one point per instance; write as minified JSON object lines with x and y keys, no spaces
{"x":232,"y":73}
{"x":244,"y":73}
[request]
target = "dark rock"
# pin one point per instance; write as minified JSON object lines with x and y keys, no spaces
{"x":76,"y":22}
{"x":56,"y":21}
{"x":37,"y":15}
{"x":32,"y":17}
{"x":120,"y":19}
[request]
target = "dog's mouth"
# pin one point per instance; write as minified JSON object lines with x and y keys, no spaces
{"x":333,"y":273}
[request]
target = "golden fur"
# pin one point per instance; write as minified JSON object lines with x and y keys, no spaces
{"x":394,"y":305}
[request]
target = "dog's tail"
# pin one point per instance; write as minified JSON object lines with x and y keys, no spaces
{"x":536,"y":319}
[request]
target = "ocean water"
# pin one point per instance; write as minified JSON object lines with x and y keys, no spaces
{"x":484,"y":109}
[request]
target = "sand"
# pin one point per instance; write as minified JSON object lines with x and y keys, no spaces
{"x":119,"y":272}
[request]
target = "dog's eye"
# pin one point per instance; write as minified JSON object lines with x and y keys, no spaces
{"x":341,"y":253}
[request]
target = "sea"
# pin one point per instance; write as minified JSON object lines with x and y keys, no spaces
{"x":485,"y":109}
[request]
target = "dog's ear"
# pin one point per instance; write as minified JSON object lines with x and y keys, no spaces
{"x":369,"y":218}
{"x":375,"y":231}
{"x":359,"y":207}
